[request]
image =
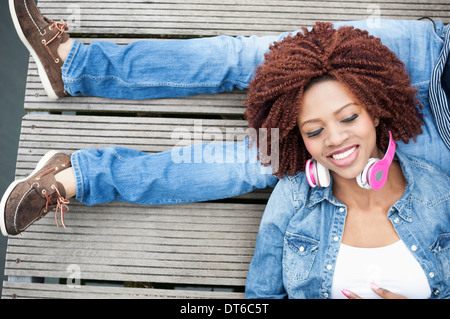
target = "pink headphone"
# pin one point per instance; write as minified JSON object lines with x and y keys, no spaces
{"x":373,"y":176}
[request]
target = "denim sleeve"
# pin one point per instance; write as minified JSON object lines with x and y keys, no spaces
{"x":265,"y":275}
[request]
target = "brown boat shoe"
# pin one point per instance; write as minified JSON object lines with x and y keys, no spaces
{"x":28,"y":200}
{"x":42,"y":37}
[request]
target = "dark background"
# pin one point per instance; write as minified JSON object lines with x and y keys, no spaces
{"x":13,"y":72}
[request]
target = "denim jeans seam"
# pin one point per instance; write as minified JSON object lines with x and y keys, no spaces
{"x":148,"y":84}
{"x":78,"y":176}
{"x":174,"y":201}
{"x":68,"y":64}
{"x":117,"y":155}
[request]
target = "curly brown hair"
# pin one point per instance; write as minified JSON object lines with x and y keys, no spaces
{"x":374,"y":74}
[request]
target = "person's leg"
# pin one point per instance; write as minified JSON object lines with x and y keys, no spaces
{"x":150,"y":69}
{"x":68,"y":180}
{"x":64,"y":49}
{"x":154,"y":69}
{"x":188,"y":174}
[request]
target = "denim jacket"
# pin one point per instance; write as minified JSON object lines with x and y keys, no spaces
{"x":301,"y":230}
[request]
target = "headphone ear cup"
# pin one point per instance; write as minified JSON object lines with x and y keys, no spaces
{"x":323,"y":175}
{"x":363,"y":178}
{"x":377,"y":174}
{"x":309,"y":172}
{"x":316,"y":174}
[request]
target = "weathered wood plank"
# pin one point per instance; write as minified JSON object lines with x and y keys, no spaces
{"x":41,"y":132}
{"x":240,"y":17}
{"x":19,"y":290}
{"x":159,"y":244}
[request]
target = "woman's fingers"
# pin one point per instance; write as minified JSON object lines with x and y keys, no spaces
{"x":384,"y":293}
{"x":349,"y":294}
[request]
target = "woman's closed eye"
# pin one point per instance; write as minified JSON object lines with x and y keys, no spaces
{"x":314,"y":133}
{"x":346,"y":120}
{"x":350,"y":118}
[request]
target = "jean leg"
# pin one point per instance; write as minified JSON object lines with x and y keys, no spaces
{"x":122,"y":174}
{"x":161,"y":69}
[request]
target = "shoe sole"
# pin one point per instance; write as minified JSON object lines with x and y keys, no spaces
{"x":13,"y":185}
{"x":41,"y":70}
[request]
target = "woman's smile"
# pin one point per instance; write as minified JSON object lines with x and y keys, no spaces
{"x":344,"y":157}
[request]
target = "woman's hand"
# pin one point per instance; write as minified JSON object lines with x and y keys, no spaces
{"x":383,"y":293}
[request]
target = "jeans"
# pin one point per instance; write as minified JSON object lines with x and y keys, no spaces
{"x":160,"y":69}
{"x":123,"y":174}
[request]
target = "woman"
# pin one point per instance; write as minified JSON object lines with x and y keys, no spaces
{"x":337,"y":95}
{"x":112,"y":174}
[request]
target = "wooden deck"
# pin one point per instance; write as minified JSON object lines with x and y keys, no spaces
{"x":118,"y":250}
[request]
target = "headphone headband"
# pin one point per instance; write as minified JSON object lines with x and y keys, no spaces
{"x":390,"y":153}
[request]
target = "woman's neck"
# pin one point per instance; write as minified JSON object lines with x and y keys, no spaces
{"x":352,"y":195}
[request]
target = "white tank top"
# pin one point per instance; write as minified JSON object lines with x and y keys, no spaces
{"x":392,"y":267}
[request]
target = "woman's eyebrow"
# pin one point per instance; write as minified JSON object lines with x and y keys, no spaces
{"x":334,"y":113}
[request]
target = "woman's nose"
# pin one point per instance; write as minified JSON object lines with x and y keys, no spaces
{"x":336,"y":136}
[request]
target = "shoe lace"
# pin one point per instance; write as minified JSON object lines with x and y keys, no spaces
{"x":61,"y":205}
{"x":61,"y":27}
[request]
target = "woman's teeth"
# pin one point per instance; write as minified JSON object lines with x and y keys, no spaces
{"x":346,"y":154}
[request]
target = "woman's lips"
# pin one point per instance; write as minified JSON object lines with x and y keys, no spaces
{"x":345,"y":156}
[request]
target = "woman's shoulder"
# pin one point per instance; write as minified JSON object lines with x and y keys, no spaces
{"x":421,"y":167}
{"x":296,"y":186}
{"x":428,"y":182}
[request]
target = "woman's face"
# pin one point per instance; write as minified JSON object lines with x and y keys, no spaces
{"x":337,"y":130}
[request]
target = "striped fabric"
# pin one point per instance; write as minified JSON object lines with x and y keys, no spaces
{"x":439,"y":100}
